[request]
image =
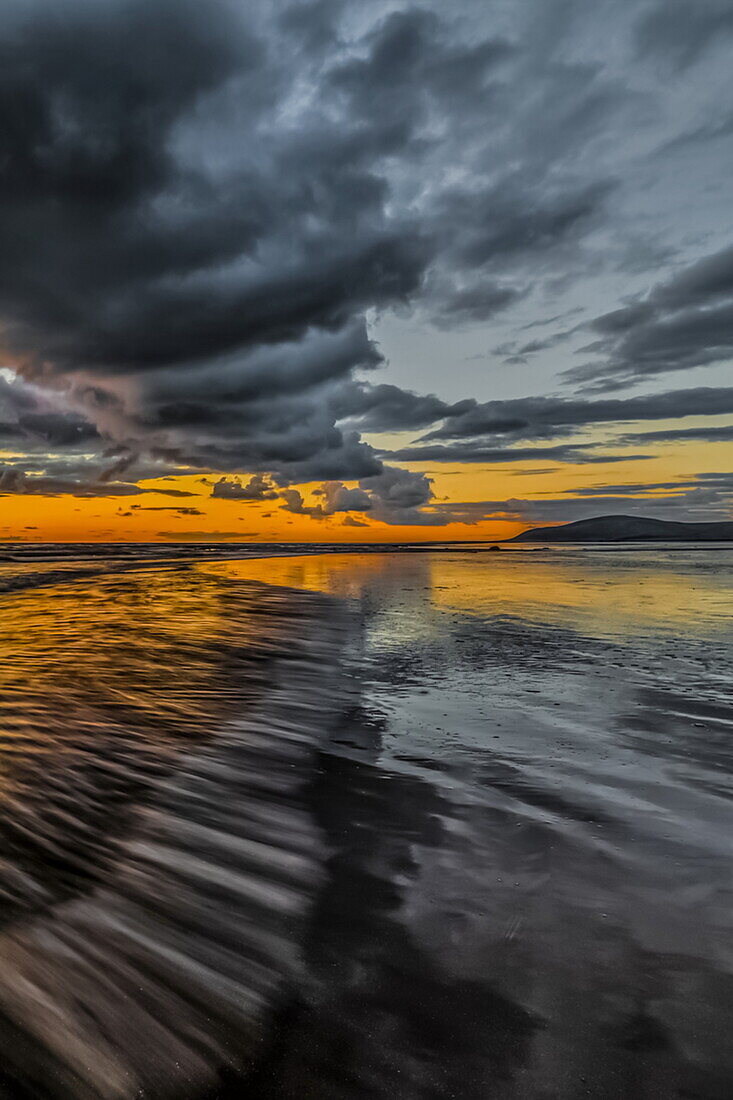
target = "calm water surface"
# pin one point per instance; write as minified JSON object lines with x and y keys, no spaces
{"x":516,"y":817}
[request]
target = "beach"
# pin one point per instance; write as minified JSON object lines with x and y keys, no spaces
{"x":367,"y":824}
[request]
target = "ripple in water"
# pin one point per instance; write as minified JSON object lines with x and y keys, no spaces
{"x":437,"y":826}
{"x":158,"y":856}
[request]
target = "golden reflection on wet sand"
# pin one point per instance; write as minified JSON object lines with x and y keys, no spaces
{"x":146,"y":639}
{"x":535,"y":802}
{"x":503,"y":780}
{"x":157,"y":858}
{"x":613,"y":591}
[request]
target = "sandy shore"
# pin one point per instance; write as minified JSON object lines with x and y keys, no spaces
{"x":181,"y":936}
{"x":411,"y":825}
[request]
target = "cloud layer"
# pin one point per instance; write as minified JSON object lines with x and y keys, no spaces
{"x":204,"y":208}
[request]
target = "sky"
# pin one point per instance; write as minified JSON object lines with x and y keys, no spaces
{"x":353,"y":270}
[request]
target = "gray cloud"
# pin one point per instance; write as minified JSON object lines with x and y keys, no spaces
{"x":476,"y":302}
{"x":707,"y":494}
{"x":14,"y":481}
{"x":470,"y":451}
{"x":394,"y":496}
{"x":383,"y":407}
{"x":545,"y":417}
{"x":722,"y":481}
{"x":683,"y":435}
{"x":189,"y":242}
{"x":257,"y":488}
{"x":677,"y":33}
{"x":203,"y":206}
{"x":127,"y":252}
{"x":684,"y":322}
{"x":502,"y":227}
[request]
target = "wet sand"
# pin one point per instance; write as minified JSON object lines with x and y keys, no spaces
{"x":509,"y":821}
{"x":159,"y":860}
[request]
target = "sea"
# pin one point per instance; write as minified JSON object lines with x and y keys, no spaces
{"x":388,"y":822}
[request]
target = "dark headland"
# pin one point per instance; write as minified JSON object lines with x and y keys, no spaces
{"x":629,"y":529}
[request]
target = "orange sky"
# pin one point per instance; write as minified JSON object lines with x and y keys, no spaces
{"x":153,"y":516}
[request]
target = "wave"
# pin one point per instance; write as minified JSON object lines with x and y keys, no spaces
{"x":142,"y":964}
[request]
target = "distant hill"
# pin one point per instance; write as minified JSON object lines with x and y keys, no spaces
{"x":629,"y":529}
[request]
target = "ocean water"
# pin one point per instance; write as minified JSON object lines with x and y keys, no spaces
{"x":425,"y":824}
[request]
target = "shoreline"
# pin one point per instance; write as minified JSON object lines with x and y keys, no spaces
{"x":471,"y":749}
{"x":167,"y":971}
{"x":111,"y":562}
{"x":155,"y":553}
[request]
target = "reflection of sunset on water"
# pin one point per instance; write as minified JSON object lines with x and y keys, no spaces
{"x":510,"y":762}
{"x":142,"y":657}
{"x":611,"y":591}
{"x":366,"y":550}
{"x":144,"y":739}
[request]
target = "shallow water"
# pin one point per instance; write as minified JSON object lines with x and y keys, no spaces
{"x":539,"y":786}
{"x":158,"y":858}
{"x":514,"y":818}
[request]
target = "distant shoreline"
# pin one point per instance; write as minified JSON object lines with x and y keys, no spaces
{"x":125,"y":556}
{"x":378,"y":547}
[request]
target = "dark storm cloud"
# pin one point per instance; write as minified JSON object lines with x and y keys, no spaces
{"x":15,"y":482}
{"x":199,"y":203}
{"x":396,"y":497}
{"x":547,"y":417}
{"x":684,"y":322}
{"x":257,"y":488}
{"x":470,"y":451}
{"x":700,"y":284}
{"x":56,"y":428}
{"x":383,"y":407}
{"x":126,"y":254}
{"x":513,"y":220}
{"x":89,"y":96}
{"x":39,"y":419}
{"x":135,"y":240}
{"x":202,"y":204}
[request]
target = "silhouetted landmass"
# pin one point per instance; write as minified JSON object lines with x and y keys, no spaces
{"x":629,"y":529}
